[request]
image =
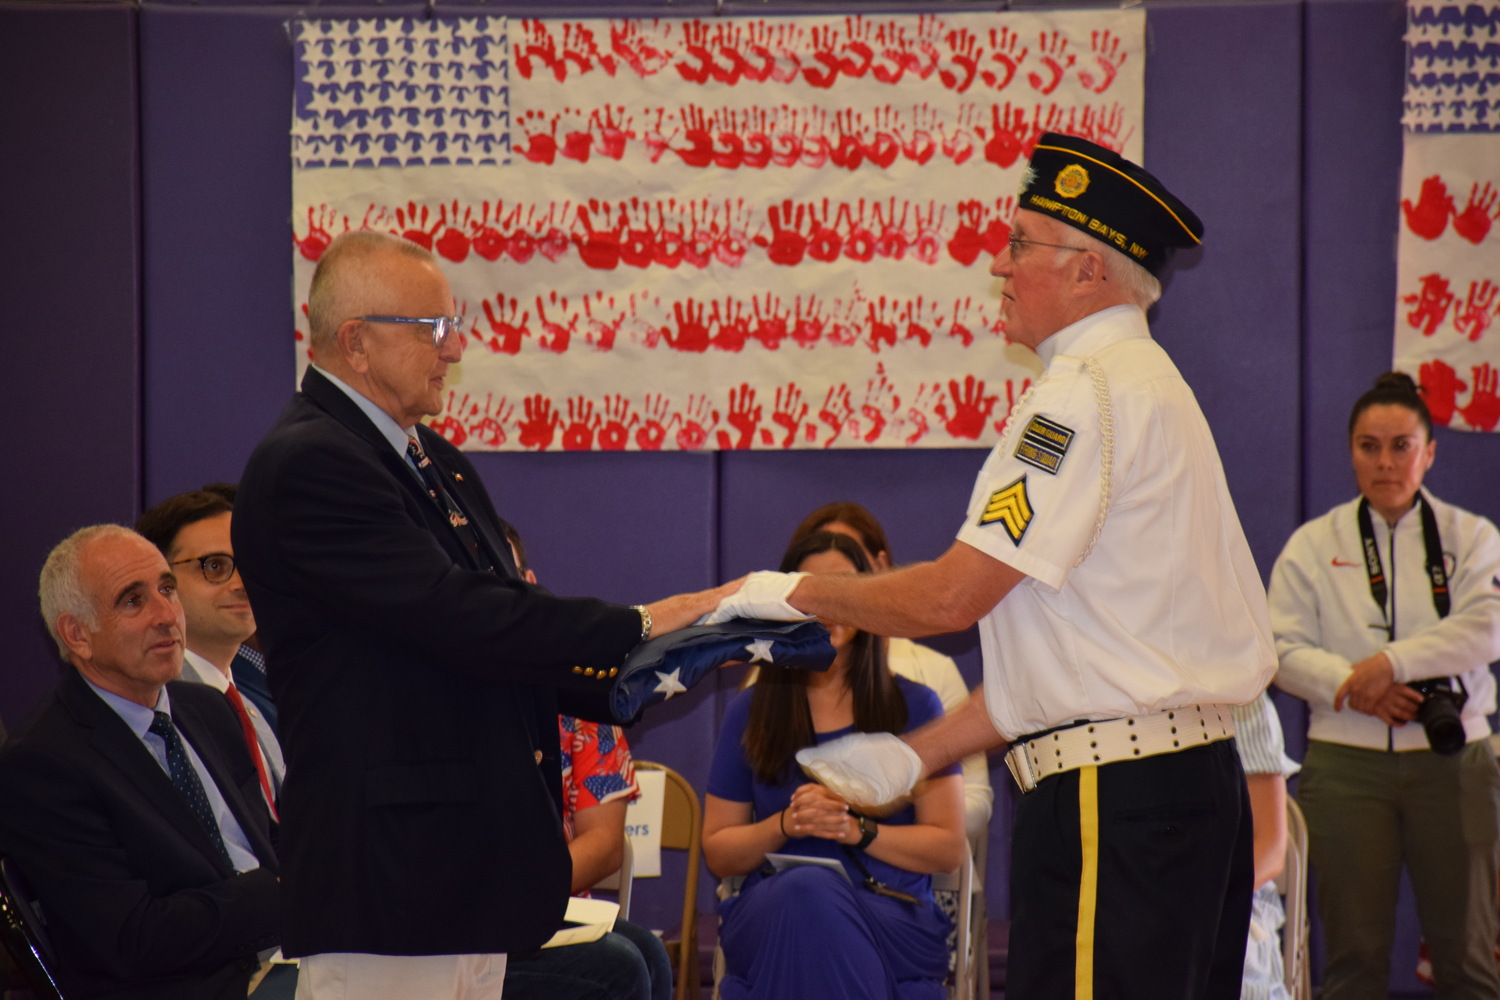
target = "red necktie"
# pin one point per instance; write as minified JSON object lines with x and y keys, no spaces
{"x":248,"y":729}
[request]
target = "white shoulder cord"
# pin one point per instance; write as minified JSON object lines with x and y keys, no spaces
{"x":1106,"y":449}
{"x":1106,"y":441}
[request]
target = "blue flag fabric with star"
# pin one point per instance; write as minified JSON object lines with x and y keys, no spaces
{"x":663,"y":667}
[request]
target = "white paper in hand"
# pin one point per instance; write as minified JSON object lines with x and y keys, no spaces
{"x":864,"y":769}
{"x":763,"y":595}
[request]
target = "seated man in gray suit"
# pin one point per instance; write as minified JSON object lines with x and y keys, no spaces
{"x":130,"y":801}
{"x":192,"y":531}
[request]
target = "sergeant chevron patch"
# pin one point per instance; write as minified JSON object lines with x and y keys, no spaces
{"x":1011,"y":507}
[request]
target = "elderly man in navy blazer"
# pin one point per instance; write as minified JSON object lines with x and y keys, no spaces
{"x":416,"y":673}
{"x":130,"y":801}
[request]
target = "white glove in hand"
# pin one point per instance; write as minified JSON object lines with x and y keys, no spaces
{"x":864,"y":769}
{"x":763,"y":595}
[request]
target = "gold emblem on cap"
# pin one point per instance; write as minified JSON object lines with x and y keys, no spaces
{"x":1071,"y":181}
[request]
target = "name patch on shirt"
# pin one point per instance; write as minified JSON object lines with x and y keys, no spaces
{"x":1010,"y":508}
{"x":1044,"y":444}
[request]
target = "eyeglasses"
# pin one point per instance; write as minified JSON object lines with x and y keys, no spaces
{"x":1019,"y":243}
{"x":443,"y":327}
{"x":217,"y":567}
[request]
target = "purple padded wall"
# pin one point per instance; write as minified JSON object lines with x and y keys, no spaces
{"x":1277,"y":122}
{"x":70,"y":262}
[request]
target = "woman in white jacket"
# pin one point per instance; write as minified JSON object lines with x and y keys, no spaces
{"x":1386,"y":612}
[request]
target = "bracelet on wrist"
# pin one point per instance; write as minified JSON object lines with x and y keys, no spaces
{"x":782,"y":823}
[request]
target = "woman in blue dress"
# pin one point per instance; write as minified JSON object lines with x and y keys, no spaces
{"x":862,"y":925}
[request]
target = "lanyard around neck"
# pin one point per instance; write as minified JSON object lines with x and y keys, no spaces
{"x":1437,"y":573}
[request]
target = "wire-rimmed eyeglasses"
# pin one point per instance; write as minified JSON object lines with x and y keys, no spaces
{"x":217,"y":567}
{"x":443,"y":327}
{"x":1019,"y":243}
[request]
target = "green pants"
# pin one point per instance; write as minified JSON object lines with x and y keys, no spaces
{"x":1369,"y":814}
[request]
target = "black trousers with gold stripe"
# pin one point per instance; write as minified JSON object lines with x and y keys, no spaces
{"x":1133,"y":880}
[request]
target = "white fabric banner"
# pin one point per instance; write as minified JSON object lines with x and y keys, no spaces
{"x":643,"y":823}
{"x":726,"y":233}
{"x":1448,"y":259}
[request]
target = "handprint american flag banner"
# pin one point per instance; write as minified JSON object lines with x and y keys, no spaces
{"x":1448,"y":264}
{"x":721,"y":233}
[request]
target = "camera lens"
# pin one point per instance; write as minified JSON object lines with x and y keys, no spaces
{"x":1440,"y":720}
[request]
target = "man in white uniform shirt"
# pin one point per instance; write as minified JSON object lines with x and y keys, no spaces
{"x":1120,"y":615}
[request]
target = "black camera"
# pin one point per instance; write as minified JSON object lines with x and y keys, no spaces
{"x":1441,"y":713}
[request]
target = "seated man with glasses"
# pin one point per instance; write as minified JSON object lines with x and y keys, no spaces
{"x":131,"y":805}
{"x":192,"y":531}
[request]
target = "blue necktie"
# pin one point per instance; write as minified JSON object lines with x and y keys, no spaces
{"x":438,"y":491}
{"x":185,"y":778}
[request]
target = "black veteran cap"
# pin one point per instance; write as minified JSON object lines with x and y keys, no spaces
{"x":1103,"y":194}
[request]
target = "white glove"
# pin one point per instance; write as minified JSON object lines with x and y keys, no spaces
{"x":763,"y":595}
{"x":864,"y":769}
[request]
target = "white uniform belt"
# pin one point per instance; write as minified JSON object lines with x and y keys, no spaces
{"x":1112,"y":740}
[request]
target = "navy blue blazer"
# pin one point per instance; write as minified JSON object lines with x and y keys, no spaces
{"x":417,"y":694}
{"x":138,"y":901}
{"x":252,"y":682}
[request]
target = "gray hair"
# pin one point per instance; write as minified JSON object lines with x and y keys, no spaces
{"x":341,"y":288}
{"x":1138,"y":284}
{"x":61,"y":589}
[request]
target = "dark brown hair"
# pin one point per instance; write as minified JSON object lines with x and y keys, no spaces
{"x":871,"y":534}
{"x":1393,"y":389}
{"x":780,"y":722}
{"x":161,"y":524}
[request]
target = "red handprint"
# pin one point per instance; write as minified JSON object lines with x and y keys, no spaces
{"x":916,"y":415}
{"x":319,"y":222}
{"x":1003,"y":44}
{"x":453,"y":242}
{"x":1010,"y":402}
{"x":599,"y":248}
{"x":450,"y":428}
{"x":540,"y":423}
{"x":489,"y":427}
{"x":971,"y":408}
{"x":836,"y":411}
{"x":653,"y":431}
{"x":507,"y":327}
{"x":1430,"y":304}
{"x":618,"y":419}
{"x":880,"y":403}
{"x":578,"y":435}
{"x":487,"y":241}
{"x":744,"y":416}
{"x":540,"y":146}
{"x":959,"y":75}
{"x":1440,"y":388}
{"x":1429,"y":216}
{"x":1483,"y":410}
{"x":787,"y":244}
{"x":555,"y":337}
{"x":1473,"y":223}
{"x":1107,"y":55}
{"x":790,"y":412}
{"x":412,"y":224}
{"x":692,"y":331}
{"x":1055,"y":59}
{"x":1478,"y":311}
{"x":699,"y":419}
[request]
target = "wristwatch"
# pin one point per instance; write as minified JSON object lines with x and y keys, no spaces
{"x":868,"y":831}
{"x":645,"y":621}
